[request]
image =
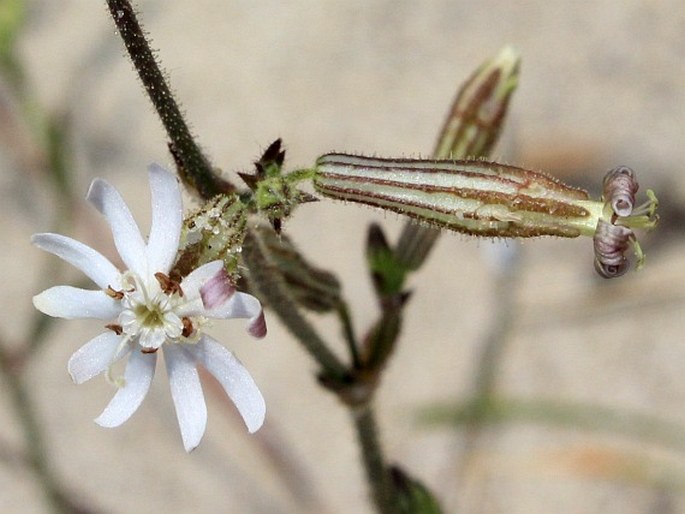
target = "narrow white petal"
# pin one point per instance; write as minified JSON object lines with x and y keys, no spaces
{"x":242,"y":305}
{"x":127,"y":238}
{"x":186,"y":392}
{"x":234,"y":378}
{"x":75,"y":303}
{"x":91,"y":262}
{"x":138,"y":376}
{"x":167,"y":217}
{"x":96,"y":356}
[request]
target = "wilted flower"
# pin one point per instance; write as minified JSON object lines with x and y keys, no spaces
{"x":147,"y":310}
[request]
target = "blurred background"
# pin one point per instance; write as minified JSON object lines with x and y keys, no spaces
{"x":589,"y":375}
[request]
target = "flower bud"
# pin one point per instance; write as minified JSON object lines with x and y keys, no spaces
{"x":494,"y":200}
{"x":477,"y":114}
{"x":213,"y":232}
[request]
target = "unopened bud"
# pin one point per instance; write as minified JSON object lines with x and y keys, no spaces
{"x":494,"y":200}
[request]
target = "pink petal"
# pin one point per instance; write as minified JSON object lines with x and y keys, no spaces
{"x":192,"y":283}
{"x":234,"y":378}
{"x":167,"y":217}
{"x":242,"y":305}
{"x":138,"y":376}
{"x":217,"y":290}
{"x":89,"y":261}
{"x":186,"y":392}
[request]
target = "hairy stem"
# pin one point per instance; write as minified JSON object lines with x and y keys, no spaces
{"x":193,"y":166}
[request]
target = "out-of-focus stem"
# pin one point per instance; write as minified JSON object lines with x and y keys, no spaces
{"x":348,"y":332}
{"x":36,"y":454}
{"x":377,"y":472}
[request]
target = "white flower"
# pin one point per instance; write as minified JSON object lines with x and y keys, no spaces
{"x":147,"y":311}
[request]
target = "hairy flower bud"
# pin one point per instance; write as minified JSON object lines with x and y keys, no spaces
{"x":214,"y":232}
{"x":493,"y":200}
{"x":477,"y":115}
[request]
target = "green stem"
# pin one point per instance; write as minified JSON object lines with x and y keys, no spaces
{"x":194,"y":167}
{"x":377,"y":473}
{"x":272,"y":289}
{"x":348,"y":331}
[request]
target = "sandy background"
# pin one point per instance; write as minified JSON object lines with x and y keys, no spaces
{"x":602,"y":84}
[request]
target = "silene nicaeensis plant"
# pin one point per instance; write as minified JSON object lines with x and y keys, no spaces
{"x":230,"y":255}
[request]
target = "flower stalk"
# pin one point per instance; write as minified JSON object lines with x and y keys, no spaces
{"x":193,"y":166}
{"x":378,"y":474}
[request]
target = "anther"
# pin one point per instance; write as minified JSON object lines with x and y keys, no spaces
{"x":116,"y":328}
{"x":188,"y":328}
{"x":117,"y":295}
{"x":168,"y":285}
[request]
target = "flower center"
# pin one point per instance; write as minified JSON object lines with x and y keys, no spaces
{"x":151,"y":316}
{"x":148,"y":313}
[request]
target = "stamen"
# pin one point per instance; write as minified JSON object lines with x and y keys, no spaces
{"x":188,"y":328}
{"x":168,"y":285}
{"x":644,"y":215}
{"x":117,"y":382}
{"x":111,"y":292}
{"x":116,"y":328}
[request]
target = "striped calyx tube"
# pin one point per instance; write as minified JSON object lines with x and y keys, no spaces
{"x":494,"y":200}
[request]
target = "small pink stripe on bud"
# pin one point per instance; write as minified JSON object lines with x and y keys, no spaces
{"x":217,"y":290}
{"x":257,"y":326}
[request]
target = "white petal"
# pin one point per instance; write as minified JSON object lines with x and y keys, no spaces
{"x":127,"y":238}
{"x":89,"y":261}
{"x":96,"y":356}
{"x":74,"y":303}
{"x":167,"y":217}
{"x":138,"y":376}
{"x":186,"y":392}
{"x":242,"y":305}
{"x":234,"y":378}
{"x":192,"y":283}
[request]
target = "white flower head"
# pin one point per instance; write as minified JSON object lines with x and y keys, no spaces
{"x":146,"y":311}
